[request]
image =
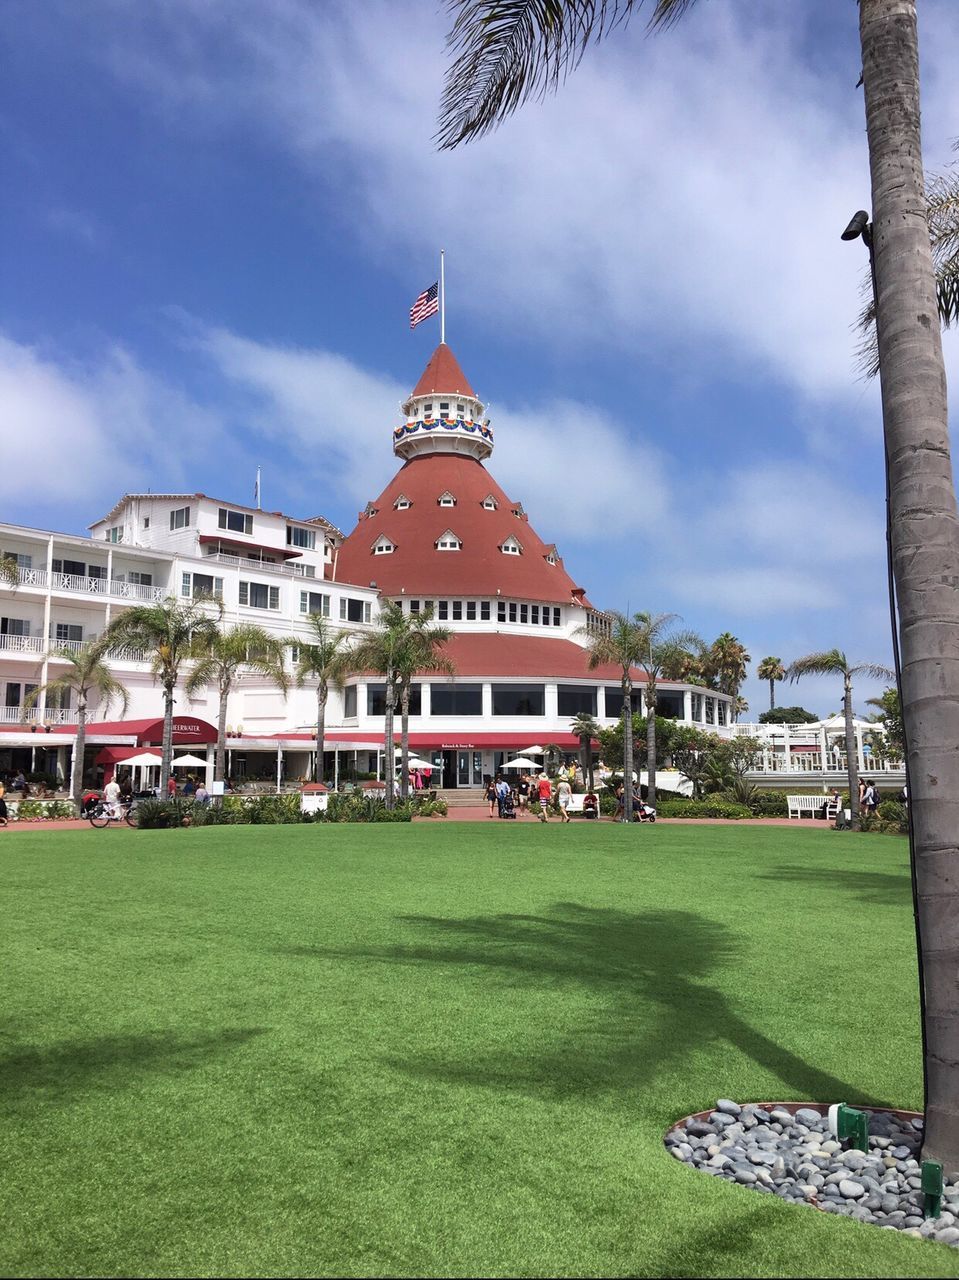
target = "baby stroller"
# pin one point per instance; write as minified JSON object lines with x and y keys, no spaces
{"x":644,"y":812}
{"x":89,"y":801}
{"x":508,"y":807}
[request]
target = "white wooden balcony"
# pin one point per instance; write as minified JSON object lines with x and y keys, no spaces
{"x":31,"y":577}
{"x":22,"y":644}
{"x":113,"y":587}
{"x":33,"y":715}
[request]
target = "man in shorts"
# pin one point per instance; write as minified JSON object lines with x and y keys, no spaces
{"x":544,"y":790}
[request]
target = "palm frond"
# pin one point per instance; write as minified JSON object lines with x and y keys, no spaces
{"x":509,"y":51}
{"x":874,"y":670}
{"x":830,"y":662}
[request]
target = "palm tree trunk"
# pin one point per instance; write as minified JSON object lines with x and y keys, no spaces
{"x":322,"y":694}
{"x":627,"y":749}
{"x":852,"y":760}
{"x":167,"y":759}
{"x":651,"y":743}
{"x":76,"y":773}
{"x":388,"y":749}
{"x":404,"y":740}
{"x":772,"y":695}
{"x":220,"y":759}
{"x":925,"y":541}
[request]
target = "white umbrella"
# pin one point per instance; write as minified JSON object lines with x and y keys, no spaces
{"x":534,"y":751}
{"x":195,"y":761}
{"x":416,"y":763}
{"x":521,"y":763}
{"x":145,"y":757}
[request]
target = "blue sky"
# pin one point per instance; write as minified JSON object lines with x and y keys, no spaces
{"x":216,"y":214}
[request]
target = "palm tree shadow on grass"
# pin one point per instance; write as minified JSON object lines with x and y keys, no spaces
{"x":56,"y":1074}
{"x":878,"y":888}
{"x":655,"y":1006}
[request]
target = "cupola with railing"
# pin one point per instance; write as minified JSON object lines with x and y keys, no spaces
{"x":443,"y":414}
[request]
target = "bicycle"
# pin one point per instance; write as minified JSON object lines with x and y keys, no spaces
{"x":101,"y":816}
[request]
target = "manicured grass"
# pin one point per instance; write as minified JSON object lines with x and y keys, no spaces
{"x":436,"y":1049}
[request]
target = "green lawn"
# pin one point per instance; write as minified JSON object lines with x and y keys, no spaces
{"x":436,"y":1049}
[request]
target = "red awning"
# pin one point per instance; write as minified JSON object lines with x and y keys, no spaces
{"x":287,"y":552}
{"x":117,"y":755}
{"x":186,"y":729}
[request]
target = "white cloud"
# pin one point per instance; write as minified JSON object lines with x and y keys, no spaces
{"x":77,"y":435}
{"x":681,"y":195}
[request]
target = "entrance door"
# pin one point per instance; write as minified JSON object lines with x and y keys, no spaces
{"x":450,"y":771}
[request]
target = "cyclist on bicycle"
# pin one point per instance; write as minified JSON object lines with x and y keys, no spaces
{"x":111,"y":796}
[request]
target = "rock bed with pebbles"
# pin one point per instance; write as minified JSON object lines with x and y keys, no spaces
{"x":794,"y":1156}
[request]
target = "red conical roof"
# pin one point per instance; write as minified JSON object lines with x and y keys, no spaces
{"x":417,"y":568}
{"x":443,"y":376}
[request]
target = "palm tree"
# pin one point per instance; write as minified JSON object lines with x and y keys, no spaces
{"x":771,"y":669}
{"x":382,"y":650}
{"x":835,"y":662}
{"x":586,"y":728}
{"x":728,"y":660}
{"x":327,"y":659}
{"x":510,"y":50}
{"x":170,"y":631}
{"x":86,"y":673}
{"x":660,"y":648}
{"x":619,"y":646}
{"x":420,"y":653}
{"x":218,"y":659}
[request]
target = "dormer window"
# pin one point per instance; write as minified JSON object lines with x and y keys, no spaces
{"x":382,"y":546}
{"x":446,"y":499}
{"x":550,"y":557}
{"x":518,"y":511}
{"x":370,"y":510}
{"x":448,"y":542}
{"x":402,"y":503}
{"x":490,"y":503}
{"x":511,"y":547}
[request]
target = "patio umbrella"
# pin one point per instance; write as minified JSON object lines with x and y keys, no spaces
{"x":534,"y":751}
{"x":416,"y":763}
{"x":521,"y":763}
{"x":188,"y":760}
{"x":144,"y":758}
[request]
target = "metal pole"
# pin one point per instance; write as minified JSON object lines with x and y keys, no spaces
{"x":442,"y":295}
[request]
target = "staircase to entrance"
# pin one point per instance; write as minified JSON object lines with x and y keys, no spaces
{"x":461,"y":797}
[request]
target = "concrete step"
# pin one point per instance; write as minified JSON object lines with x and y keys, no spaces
{"x":461,"y":797}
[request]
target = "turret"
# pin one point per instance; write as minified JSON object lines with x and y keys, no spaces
{"x":443,"y":414}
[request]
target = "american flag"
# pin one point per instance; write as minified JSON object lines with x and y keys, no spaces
{"x":427,"y":304}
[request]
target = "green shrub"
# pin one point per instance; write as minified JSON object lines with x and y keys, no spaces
{"x":283,"y":810}
{"x":892,"y":817}
{"x":770,"y":804}
{"x":715,"y":807}
{"x":48,"y":780}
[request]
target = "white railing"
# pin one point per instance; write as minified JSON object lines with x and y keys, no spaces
{"x":22,"y":644}
{"x":136,"y":591}
{"x":78,"y":582}
{"x":32,"y":577}
{"x":811,"y":762}
{"x":33,"y":715}
{"x":259,"y":566}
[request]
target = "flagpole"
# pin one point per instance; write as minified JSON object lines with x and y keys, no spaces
{"x":442,"y":295}
{"x":258,"y":507}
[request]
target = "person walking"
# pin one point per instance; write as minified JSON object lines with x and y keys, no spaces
{"x":111,"y":795}
{"x":564,"y":794}
{"x":544,"y":790}
{"x":491,"y":797}
{"x":522,"y":792}
{"x":171,"y":787}
{"x":502,"y":791}
{"x":3,"y":804}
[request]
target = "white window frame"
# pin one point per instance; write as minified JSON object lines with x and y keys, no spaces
{"x":179,"y":519}
{"x":307,"y":537}
{"x":446,"y":499}
{"x":383,"y":546}
{"x":511,"y":547}
{"x":324,"y":609}
{"x":448,"y":541}
{"x":272,"y":595}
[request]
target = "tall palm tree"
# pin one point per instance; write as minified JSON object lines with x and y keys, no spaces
{"x":170,"y":631}
{"x":586,"y":728}
{"x":419,"y":654}
{"x":619,"y":646}
{"x":835,"y":662}
{"x":86,"y":673}
{"x":728,"y":660}
{"x":327,"y":658}
{"x":382,"y":650}
{"x":510,"y":50}
{"x":771,"y":669}
{"x":660,"y":648}
{"x":218,"y":658}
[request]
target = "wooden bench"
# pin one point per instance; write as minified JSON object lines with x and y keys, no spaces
{"x":810,"y":806}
